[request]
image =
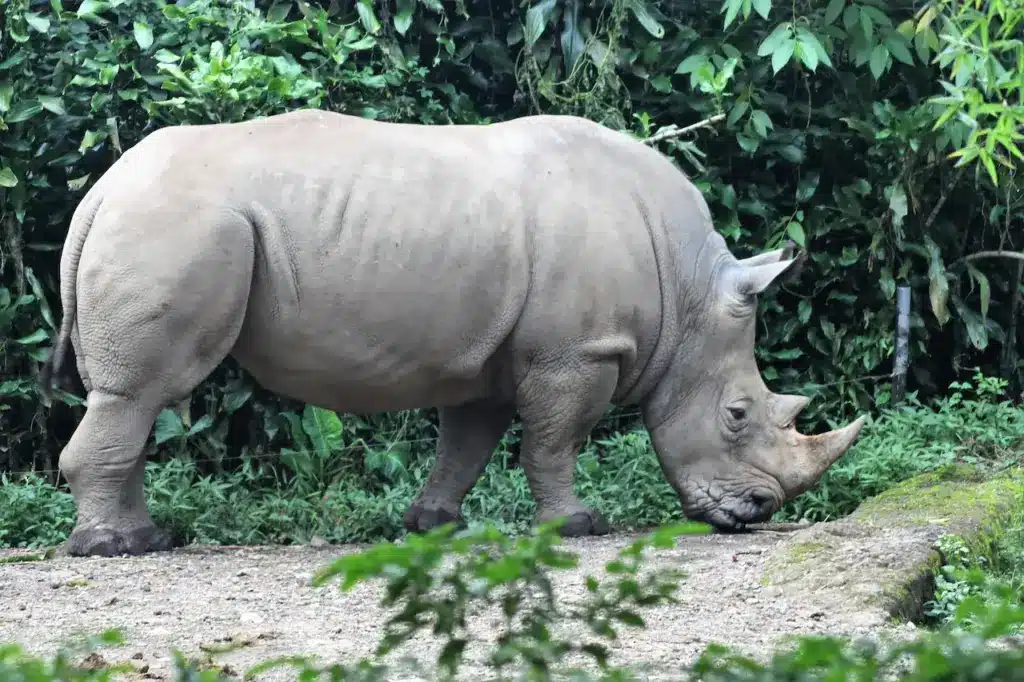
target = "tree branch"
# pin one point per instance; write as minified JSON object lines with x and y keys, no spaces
{"x":1015,"y":255}
{"x":672,"y":131}
{"x":954,"y":181}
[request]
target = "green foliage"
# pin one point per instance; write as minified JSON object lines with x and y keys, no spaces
{"x":968,"y":577}
{"x":331,"y":497}
{"x":490,"y":570}
{"x":436,"y":580}
{"x":827,"y":136}
{"x":984,"y":56}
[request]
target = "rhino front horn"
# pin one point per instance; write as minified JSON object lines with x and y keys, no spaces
{"x":815,"y":454}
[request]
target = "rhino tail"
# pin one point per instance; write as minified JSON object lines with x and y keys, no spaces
{"x":78,"y":231}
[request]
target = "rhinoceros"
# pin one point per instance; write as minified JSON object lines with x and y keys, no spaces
{"x":546,"y":266}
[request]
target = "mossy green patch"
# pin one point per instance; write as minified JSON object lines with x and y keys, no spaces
{"x":884,"y":553}
{"x":803,"y":550}
{"x":959,"y":498}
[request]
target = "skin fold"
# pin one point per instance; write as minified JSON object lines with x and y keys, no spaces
{"x":545,"y":266}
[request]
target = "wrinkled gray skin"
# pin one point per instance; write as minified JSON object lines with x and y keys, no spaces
{"x":547,"y":265}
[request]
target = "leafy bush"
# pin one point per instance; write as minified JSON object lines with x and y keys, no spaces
{"x":828,"y":139}
{"x":967,"y":576}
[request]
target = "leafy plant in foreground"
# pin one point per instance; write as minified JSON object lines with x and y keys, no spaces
{"x":437,"y":580}
{"x":489,"y":569}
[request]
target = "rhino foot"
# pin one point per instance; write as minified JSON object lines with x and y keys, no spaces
{"x":582,"y":523}
{"x":420,"y":518}
{"x":106,"y":541}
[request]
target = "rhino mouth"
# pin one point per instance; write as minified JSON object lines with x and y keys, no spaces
{"x":731,"y":513}
{"x":724,"y":521}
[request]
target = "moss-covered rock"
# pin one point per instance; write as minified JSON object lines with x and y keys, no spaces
{"x":885,"y":553}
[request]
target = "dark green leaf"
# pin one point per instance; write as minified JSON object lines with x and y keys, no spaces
{"x":367,"y":17}
{"x":897,"y":46}
{"x":888,"y":282}
{"x":91,"y":8}
{"x":898,"y":204}
{"x":572,"y":40}
{"x":775,"y":39}
{"x":324,"y":429}
{"x":808,"y":185}
{"x":52,"y":104}
{"x":34,"y":338}
{"x":812,"y":50}
{"x":7,"y":177}
{"x":143,"y":34}
{"x":791,"y":153}
{"x":796,"y":232}
{"x":731,"y":9}
{"x":834,"y":9}
{"x":403,"y":17}
{"x":761,"y":122}
{"x":938,"y":286}
{"x":643,"y":15}
{"x":38,"y":22}
{"x":37,"y":291}
{"x":537,"y":18}
{"x":22,"y":111}
{"x":804,"y":311}
{"x":879,"y":58}
{"x":662,"y":84}
{"x":204,"y":422}
{"x":168,"y":425}
{"x":781,"y":56}
{"x":984,"y":288}
{"x":977,"y":331}
{"x":236,"y":398}
{"x":692,"y":63}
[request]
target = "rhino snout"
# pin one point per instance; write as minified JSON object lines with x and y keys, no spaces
{"x":732,"y":512}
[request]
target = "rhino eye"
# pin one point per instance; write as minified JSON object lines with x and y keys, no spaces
{"x":737,"y":413}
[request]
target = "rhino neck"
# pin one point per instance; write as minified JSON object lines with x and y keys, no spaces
{"x":686,"y":347}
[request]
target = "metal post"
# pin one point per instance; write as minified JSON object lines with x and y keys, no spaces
{"x":902,"y":358}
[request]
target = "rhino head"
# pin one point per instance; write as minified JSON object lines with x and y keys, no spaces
{"x":726,"y":443}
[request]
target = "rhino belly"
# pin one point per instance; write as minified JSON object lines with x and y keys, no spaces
{"x":360,"y":366}
{"x":389,"y":316}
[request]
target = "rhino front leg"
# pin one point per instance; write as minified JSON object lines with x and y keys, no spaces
{"x":560,"y":404}
{"x":104,"y":467}
{"x":468,"y":435}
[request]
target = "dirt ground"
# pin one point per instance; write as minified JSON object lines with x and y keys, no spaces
{"x":201,"y":596}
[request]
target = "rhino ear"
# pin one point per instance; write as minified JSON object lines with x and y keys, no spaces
{"x":750,"y":280}
{"x":762,"y":258}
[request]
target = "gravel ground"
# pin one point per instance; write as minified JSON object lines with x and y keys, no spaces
{"x":201,"y":596}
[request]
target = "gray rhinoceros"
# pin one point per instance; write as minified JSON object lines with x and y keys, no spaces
{"x":546,"y":265}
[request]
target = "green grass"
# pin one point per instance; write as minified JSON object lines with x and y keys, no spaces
{"x":339,"y":500}
{"x":969,"y":577}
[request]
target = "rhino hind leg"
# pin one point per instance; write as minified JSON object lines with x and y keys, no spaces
{"x":146,"y":343}
{"x":560,"y":402}
{"x":468,"y":435}
{"x":104,"y":466}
